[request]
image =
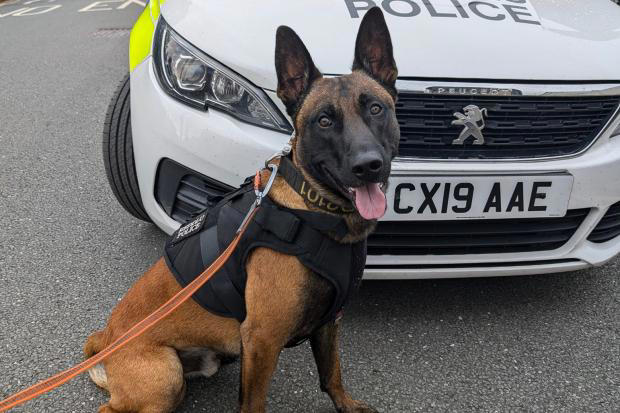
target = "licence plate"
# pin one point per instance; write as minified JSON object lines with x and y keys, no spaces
{"x":477,"y":197}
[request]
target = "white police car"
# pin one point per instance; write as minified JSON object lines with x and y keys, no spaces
{"x":509,"y":160}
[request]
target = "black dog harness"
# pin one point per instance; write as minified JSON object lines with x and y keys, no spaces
{"x":195,"y":245}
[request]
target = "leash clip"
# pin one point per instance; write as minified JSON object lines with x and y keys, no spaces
{"x":262,"y":194}
{"x":259,"y":194}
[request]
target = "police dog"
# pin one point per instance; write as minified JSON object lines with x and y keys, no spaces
{"x":346,"y":136}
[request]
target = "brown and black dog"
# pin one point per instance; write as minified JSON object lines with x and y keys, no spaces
{"x":346,"y":136}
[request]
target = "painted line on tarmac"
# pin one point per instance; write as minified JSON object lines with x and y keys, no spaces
{"x":39,"y":7}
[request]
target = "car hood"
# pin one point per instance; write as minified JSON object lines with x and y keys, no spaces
{"x":563,"y":40}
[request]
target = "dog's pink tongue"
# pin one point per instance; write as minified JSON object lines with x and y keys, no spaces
{"x":370,"y":201}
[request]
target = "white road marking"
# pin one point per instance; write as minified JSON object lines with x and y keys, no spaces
{"x":129,"y":2}
{"x":99,"y":5}
{"x":36,"y":1}
{"x":12,"y":12}
{"x":105,"y":5}
{"x":31,"y":11}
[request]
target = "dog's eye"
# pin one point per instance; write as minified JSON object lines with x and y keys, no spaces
{"x":375,"y":109}
{"x":325,"y":122}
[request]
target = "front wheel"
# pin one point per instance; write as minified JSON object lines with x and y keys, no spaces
{"x":118,"y":153}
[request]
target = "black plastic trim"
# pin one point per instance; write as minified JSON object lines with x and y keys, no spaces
{"x":485,"y":236}
{"x":517,"y":127}
{"x":510,"y":81}
{"x":471,"y":265}
{"x":181,"y":191}
{"x":608,"y":227}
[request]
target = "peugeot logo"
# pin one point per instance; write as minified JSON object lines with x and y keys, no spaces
{"x":472,"y":122}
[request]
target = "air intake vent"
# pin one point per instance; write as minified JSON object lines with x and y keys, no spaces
{"x":182,"y":192}
{"x":609,"y":227}
{"x":474,"y":237}
{"x":193,"y":195}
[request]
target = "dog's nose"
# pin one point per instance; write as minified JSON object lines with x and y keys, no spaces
{"x":367,"y":166}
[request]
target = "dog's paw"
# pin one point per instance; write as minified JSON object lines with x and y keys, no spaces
{"x":357,"y":407}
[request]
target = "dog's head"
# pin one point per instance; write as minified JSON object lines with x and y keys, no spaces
{"x":346,"y":127}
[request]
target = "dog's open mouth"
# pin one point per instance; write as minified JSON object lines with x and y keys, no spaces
{"x":370,"y":200}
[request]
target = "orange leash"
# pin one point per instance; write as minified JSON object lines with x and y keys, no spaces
{"x":144,"y":325}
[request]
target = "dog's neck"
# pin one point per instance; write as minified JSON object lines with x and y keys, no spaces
{"x":312,"y":197}
{"x":283,"y":194}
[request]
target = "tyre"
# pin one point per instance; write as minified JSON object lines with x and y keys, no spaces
{"x":118,"y":153}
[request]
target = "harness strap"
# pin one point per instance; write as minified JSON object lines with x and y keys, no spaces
{"x":291,"y":174}
{"x":282,"y":224}
{"x":285,"y":223}
{"x":323,"y":222}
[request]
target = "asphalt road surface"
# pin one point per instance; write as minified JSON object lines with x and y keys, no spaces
{"x":68,"y":253}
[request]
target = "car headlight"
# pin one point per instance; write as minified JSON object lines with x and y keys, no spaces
{"x":189,"y":75}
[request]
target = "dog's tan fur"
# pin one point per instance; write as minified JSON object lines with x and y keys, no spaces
{"x":147,"y":376}
{"x":284,"y":300}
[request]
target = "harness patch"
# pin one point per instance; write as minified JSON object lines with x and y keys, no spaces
{"x":190,"y":228}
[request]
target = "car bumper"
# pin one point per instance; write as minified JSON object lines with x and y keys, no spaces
{"x":227,"y":150}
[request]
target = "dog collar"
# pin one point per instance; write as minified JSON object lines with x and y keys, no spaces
{"x":310,"y":194}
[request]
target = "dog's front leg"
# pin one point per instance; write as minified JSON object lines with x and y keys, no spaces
{"x":259,"y":357}
{"x":274,"y":296}
{"x":324,"y":344}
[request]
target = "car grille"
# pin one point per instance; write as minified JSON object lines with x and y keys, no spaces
{"x":609,"y":227}
{"x":474,"y":236}
{"x":516,"y":126}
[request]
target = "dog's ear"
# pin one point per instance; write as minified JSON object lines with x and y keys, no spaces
{"x":294,"y":67}
{"x":373,"y":50}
